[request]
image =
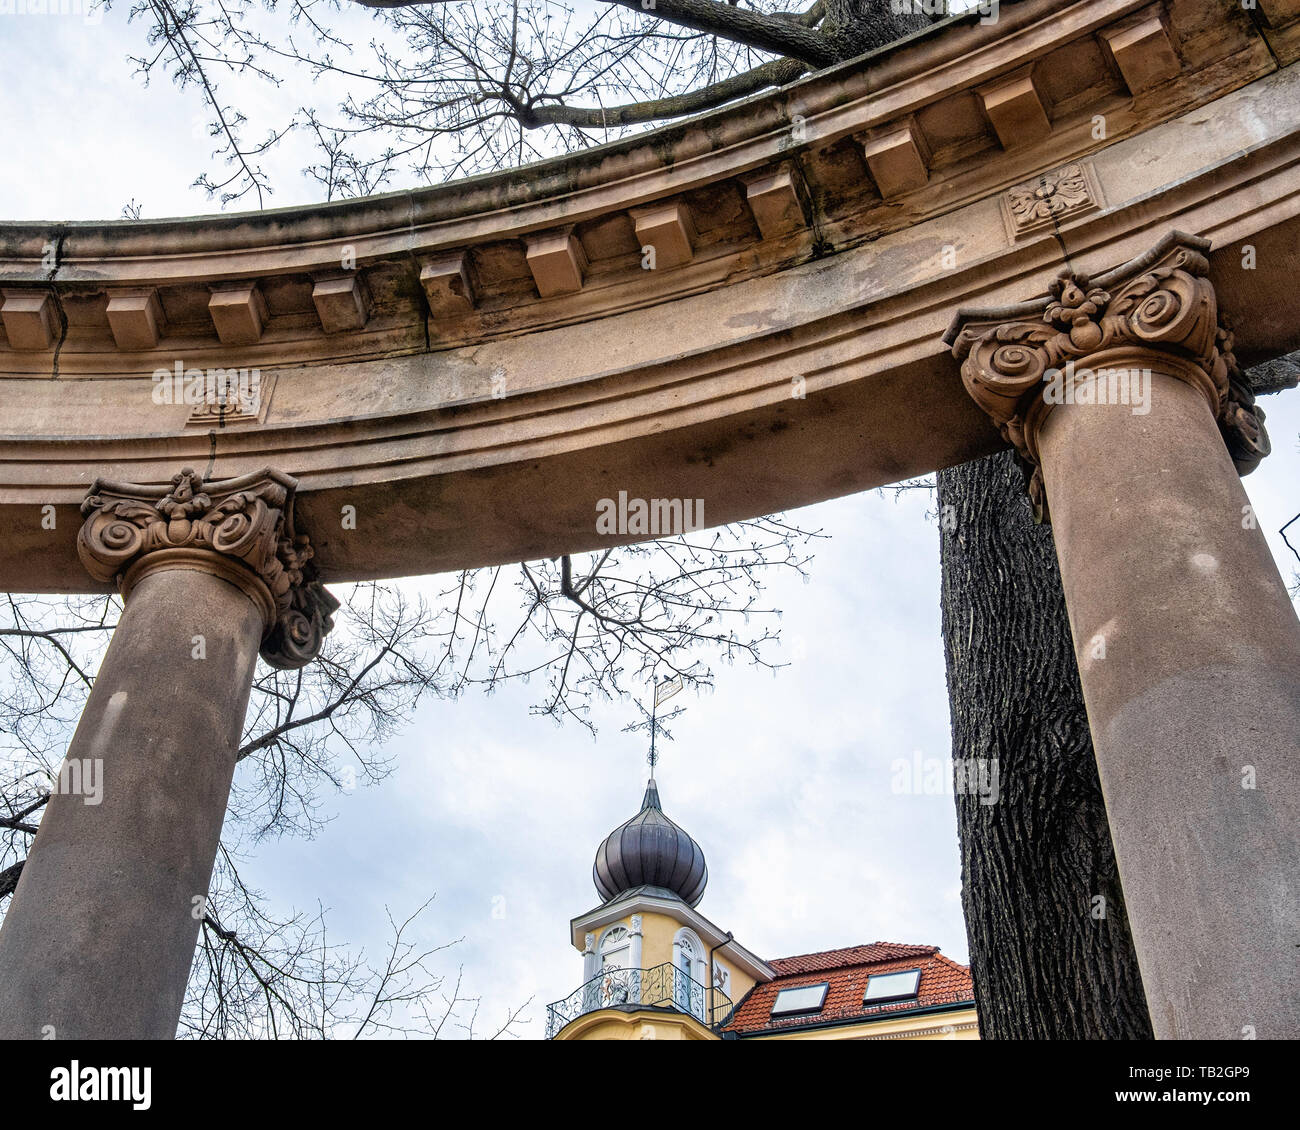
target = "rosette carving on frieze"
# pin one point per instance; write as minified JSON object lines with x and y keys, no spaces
{"x":1162,"y":301}
{"x":248,"y":520}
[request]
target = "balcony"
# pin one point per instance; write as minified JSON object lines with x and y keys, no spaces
{"x":662,"y":987}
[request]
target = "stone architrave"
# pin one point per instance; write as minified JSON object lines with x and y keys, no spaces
{"x":1187,"y":642}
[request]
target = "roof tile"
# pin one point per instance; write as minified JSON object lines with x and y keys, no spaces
{"x":845,"y":971}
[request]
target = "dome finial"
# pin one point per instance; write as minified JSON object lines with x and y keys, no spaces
{"x":650,"y":851}
{"x":651,"y":798}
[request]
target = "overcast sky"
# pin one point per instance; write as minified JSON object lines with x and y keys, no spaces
{"x":784,"y":779}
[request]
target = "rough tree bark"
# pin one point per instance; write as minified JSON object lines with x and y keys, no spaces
{"x":1047,"y":963}
{"x":854,"y":27}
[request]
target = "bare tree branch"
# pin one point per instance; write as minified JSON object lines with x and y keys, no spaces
{"x":776,"y":73}
{"x":764,"y":33}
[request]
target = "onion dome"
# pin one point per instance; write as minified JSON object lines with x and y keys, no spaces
{"x":650,"y":851}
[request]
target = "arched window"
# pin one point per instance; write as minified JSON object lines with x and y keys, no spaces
{"x":689,"y":985}
{"x":615,"y":983}
{"x":686,"y":956}
{"x":615,"y":948}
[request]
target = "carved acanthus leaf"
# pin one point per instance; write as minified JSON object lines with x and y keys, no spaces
{"x":248,"y":520}
{"x":1242,"y":422}
{"x":1165,"y":304}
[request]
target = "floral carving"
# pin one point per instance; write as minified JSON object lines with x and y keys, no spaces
{"x":248,"y":520}
{"x":1041,"y":202}
{"x":1076,"y":306}
{"x":1162,"y":301}
{"x":1242,"y":423}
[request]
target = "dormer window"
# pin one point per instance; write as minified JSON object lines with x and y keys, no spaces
{"x":884,"y":987}
{"x":802,"y":1001}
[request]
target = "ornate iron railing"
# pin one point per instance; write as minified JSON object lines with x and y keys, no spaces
{"x":661,"y":986}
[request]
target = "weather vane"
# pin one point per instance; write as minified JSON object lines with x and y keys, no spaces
{"x":651,"y":720}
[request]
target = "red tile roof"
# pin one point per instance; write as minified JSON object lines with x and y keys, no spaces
{"x":850,"y":955}
{"x":845,"y":971}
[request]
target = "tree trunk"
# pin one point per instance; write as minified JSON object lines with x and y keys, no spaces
{"x":854,"y":27}
{"x":1051,"y":953}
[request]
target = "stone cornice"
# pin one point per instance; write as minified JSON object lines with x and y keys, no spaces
{"x":931,"y":1031}
{"x":840,"y":101}
{"x":687,"y":395}
{"x":1158,"y":309}
{"x":241,"y":529}
{"x":768,"y":182}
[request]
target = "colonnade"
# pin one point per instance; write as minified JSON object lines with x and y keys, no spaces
{"x":1188,"y":647}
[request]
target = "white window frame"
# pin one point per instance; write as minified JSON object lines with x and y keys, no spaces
{"x":912,"y":994}
{"x":617,"y":940}
{"x":699,"y":964}
{"x":811,"y":1010}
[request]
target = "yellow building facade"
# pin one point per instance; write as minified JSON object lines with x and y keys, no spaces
{"x":655,"y":968}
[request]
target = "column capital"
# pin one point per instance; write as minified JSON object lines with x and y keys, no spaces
{"x":1156,"y":312}
{"x":241,"y":529}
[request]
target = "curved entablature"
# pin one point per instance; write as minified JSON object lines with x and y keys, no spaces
{"x":850,"y":154}
{"x":471,"y":368}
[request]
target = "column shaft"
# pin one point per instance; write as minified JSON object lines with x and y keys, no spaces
{"x":1188,"y":646}
{"x":100,"y":935}
{"x":1189,"y":656}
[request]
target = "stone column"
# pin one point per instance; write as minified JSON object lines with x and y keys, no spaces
{"x":101,"y":930}
{"x":1125,"y":402}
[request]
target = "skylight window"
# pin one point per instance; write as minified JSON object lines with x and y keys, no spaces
{"x":892,"y":986}
{"x":806,"y":998}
